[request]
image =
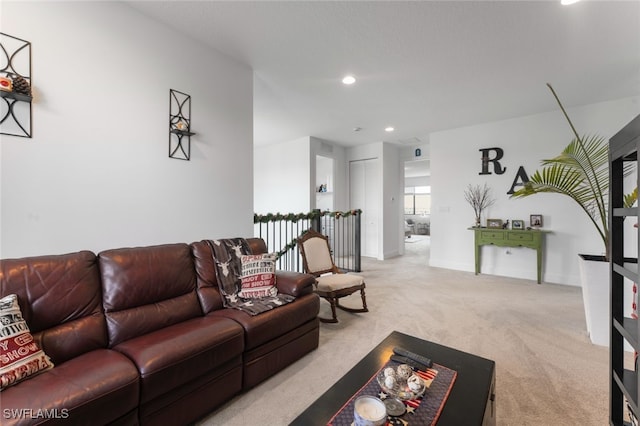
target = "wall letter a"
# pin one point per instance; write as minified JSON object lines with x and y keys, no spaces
{"x":520,"y":179}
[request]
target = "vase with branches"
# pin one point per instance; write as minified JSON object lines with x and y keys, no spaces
{"x":479,"y":197}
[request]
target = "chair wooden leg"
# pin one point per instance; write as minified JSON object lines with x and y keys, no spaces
{"x":364,"y":304}
{"x":364,"y":301}
{"x":333,"y":302}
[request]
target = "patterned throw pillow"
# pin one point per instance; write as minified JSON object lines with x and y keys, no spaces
{"x":258,"y":277}
{"x":20,"y":356}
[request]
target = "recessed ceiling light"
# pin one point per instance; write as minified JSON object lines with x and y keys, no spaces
{"x":568,"y":2}
{"x":389,"y":129}
{"x":349,"y":79}
{"x":357,"y":129}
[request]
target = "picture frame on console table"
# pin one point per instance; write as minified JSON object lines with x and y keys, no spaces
{"x":535,"y":220}
{"x":517,"y":224}
{"x":494,"y":223}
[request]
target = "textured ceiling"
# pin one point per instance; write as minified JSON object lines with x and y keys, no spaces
{"x":422,"y":66}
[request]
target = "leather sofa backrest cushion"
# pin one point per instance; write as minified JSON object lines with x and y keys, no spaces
{"x":147,"y":288}
{"x":60,"y":300}
{"x":208,"y":292}
{"x":257,"y":245}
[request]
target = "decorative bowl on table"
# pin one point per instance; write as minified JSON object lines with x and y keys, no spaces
{"x":401,"y":382}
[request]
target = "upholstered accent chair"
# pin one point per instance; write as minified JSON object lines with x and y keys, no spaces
{"x":331,"y":283}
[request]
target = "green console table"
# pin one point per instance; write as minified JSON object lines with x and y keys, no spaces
{"x":532,"y":239}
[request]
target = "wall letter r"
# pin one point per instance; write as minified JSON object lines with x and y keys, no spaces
{"x":496,"y":164}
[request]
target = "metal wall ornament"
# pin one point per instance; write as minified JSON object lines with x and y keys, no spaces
{"x":179,"y":125}
{"x":15,"y":86}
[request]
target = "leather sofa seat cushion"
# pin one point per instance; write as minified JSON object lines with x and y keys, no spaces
{"x":180,"y":353}
{"x":101,"y":385}
{"x":267,"y":326}
{"x":60,"y":300}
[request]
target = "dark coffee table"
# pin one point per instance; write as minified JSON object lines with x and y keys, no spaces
{"x":471,"y":401}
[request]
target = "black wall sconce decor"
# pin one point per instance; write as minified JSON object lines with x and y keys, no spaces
{"x":179,"y":125}
{"x":15,"y":86}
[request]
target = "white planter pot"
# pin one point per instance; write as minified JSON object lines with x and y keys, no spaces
{"x":594,"y":275}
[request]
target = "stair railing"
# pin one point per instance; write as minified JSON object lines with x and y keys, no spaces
{"x":281,"y":231}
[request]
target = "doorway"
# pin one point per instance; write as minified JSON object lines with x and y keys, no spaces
{"x":417,"y":206}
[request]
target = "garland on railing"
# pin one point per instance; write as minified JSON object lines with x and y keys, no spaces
{"x":293,"y":217}
{"x":343,"y":214}
{"x":286,"y":248}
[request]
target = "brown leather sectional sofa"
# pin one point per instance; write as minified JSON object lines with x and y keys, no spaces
{"x":140,"y":335}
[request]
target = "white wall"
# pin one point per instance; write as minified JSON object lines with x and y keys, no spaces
{"x":283,"y":177}
{"x":96,"y":173}
{"x":455,"y":163}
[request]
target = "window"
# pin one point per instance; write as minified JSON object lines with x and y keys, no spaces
{"x":417,"y":200}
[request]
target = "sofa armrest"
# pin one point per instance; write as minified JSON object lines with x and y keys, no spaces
{"x":294,"y":283}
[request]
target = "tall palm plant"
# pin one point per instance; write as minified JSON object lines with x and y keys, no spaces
{"x":580,"y":172}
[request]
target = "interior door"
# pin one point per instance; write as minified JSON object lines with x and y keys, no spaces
{"x":365,"y":187}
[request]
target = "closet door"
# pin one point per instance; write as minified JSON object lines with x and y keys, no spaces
{"x":365,"y":187}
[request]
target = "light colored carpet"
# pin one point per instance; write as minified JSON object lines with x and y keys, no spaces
{"x":415,"y":238}
{"x":547,"y":371}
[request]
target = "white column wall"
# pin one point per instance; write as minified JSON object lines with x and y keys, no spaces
{"x":96,"y":173}
{"x":392,"y":201}
{"x":456,"y":162}
{"x":284,"y":177}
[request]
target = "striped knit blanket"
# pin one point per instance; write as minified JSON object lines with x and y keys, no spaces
{"x":227,"y":255}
